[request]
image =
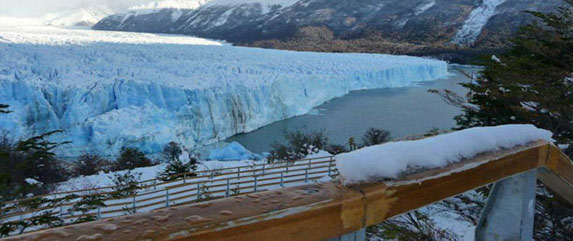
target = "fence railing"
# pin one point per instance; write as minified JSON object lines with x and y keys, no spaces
{"x":218,"y":183}
{"x":323,"y":211}
{"x":153,"y":182}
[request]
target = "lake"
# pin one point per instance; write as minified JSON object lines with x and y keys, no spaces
{"x":402,"y":111}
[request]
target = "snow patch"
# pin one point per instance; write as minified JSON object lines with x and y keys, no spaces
{"x":282,"y":3}
{"x":393,"y":159}
{"x":32,"y":181}
{"x":424,"y":7}
{"x":477,"y":19}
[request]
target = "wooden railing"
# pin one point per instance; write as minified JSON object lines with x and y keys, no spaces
{"x":324,"y":210}
{"x":218,"y":183}
{"x":155,"y":181}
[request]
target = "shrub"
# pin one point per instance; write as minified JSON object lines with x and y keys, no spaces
{"x":171,"y":152}
{"x":125,"y":183}
{"x":175,"y":166}
{"x":336,"y":149}
{"x":299,"y":145}
{"x":131,"y":158}
{"x":415,"y":225}
{"x":375,"y":136}
{"x":88,"y":164}
{"x":87,"y":204}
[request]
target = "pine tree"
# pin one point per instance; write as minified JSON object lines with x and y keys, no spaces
{"x":89,"y":164}
{"x":530,"y":84}
{"x":32,"y":158}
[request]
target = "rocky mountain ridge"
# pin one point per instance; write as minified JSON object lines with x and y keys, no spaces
{"x":424,"y":25}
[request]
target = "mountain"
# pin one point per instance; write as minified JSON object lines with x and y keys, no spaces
{"x":84,"y":16}
{"x":393,"y":26}
{"x":89,"y":12}
{"x":108,"y":90}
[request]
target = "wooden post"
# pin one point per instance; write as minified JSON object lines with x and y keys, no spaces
{"x":133,"y":203}
{"x":198,"y":191}
{"x":166,"y":197}
{"x":227,"y":191}
{"x":330,"y":167}
{"x":282,"y":178}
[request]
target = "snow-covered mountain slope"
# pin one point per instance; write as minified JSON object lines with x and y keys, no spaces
{"x":89,"y":12}
{"x":173,"y":4}
{"x":476,"y":21}
{"x":109,"y":94}
{"x":85,"y":16}
{"x":174,"y":7}
{"x":414,"y":21}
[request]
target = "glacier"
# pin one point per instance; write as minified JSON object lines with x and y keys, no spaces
{"x":144,"y":91}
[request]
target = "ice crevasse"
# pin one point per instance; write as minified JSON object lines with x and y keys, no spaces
{"x":109,"y":95}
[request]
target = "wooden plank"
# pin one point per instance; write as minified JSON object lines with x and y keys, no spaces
{"x":386,"y":200}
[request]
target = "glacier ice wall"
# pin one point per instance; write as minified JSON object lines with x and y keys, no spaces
{"x":109,"y":95}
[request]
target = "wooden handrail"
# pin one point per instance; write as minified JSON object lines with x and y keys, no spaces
{"x":327,"y":210}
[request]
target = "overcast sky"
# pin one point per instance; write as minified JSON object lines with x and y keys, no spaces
{"x":36,"y":8}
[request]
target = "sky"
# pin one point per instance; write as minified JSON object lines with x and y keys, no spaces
{"x":37,"y":8}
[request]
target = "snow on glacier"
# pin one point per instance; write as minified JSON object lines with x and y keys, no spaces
{"x":144,"y":91}
{"x":30,"y":31}
{"x":477,"y":19}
